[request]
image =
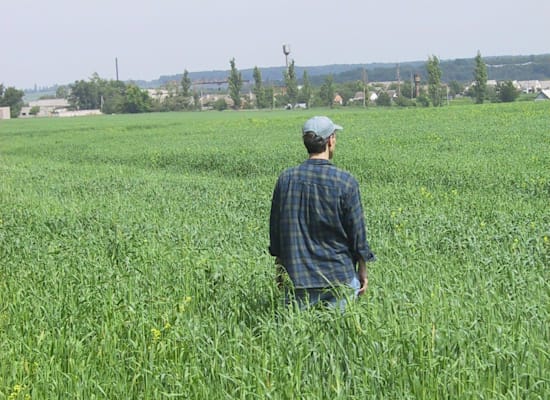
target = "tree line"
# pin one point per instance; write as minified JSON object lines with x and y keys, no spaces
{"x":117,"y":97}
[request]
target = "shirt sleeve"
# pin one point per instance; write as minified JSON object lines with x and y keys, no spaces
{"x":274,"y":226}
{"x":355,"y":226}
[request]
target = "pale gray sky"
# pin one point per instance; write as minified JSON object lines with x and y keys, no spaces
{"x":45,"y":42}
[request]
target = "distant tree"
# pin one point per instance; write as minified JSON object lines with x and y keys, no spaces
{"x":196,"y":100}
{"x":434,"y":80}
{"x":34,"y":110}
{"x":326,"y":92}
{"x":423,"y":100}
{"x":12,"y":98}
{"x":258,"y":88}
{"x":383,"y":99}
{"x":62,"y":92}
{"x":455,"y":88}
{"x":186,"y":89}
{"x":220,"y":104}
{"x":269,"y":96}
{"x":304,"y":95}
{"x":480,"y":79}
{"x":291,"y":84}
{"x":235,"y":82}
{"x":84,"y":95}
{"x":136,"y":100}
{"x":407,"y":89}
{"x":507,"y":92}
{"x":112,"y":96}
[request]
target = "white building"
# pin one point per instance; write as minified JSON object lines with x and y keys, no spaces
{"x":5,"y":113}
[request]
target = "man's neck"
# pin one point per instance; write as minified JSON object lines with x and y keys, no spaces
{"x":320,"y":156}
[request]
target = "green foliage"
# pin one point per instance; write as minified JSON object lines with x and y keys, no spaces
{"x":220,"y":104}
{"x":434,"y":81}
{"x":423,"y":100}
{"x":326,"y":92}
{"x":305,"y":93}
{"x":13,"y":98}
{"x":133,"y":260}
{"x":258,"y":90}
{"x":291,"y":84}
{"x":455,"y":88}
{"x":383,"y":99}
{"x":507,"y":92}
{"x":235,"y":82}
{"x":62,"y":92}
{"x":480,"y":79}
{"x":186,"y":86}
{"x":34,"y":110}
{"x":136,"y":100}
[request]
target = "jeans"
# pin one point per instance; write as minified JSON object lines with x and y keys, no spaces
{"x":336,"y":297}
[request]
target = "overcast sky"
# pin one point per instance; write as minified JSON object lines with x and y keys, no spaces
{"x":47,"y":42}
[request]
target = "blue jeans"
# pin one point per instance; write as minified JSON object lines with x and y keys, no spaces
{"x":336,"y":297}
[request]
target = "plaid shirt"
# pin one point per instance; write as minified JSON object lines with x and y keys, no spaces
{"x":317,"y":227}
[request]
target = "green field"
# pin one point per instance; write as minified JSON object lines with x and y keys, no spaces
{"x":134,"y":264}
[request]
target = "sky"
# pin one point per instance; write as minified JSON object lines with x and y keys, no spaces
{"x":44,"y":43}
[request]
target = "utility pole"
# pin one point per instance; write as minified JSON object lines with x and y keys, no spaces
{"x":398,"y":82}
{"x":116,"y":68}
{"x":364,"y":87}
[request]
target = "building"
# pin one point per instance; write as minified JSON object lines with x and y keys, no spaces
{"x":529,"y":86}
{"x":5,"y":113}
{"x":543,"y":95}
{"x":45,"y":108}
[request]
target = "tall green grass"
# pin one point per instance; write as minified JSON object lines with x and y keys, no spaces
{"x":134,"y":264}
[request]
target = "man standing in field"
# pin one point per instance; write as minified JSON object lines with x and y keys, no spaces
{"x":317,"y":229}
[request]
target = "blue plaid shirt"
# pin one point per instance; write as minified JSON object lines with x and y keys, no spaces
{"x":317,"y":227}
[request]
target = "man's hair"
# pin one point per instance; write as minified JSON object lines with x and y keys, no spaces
{"x":315,"y":144}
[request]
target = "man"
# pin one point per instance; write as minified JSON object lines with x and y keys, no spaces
{"x":317,"y":229}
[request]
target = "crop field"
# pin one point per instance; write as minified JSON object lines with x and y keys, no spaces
{"x":134,"y":262}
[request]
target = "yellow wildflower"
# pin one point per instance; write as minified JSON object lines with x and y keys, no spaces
{"x":156,"y":334}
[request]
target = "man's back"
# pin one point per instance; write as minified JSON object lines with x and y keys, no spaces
{"x":317,"y":227}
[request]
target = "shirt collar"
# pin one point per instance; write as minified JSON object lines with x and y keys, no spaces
{"x":317,"y":161}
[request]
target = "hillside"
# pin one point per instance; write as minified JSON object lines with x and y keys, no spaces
{"x":462,"y":70}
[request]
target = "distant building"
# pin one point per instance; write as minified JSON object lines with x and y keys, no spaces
{"x":5,"y":113}
{"x":54,"y":108}
{"x":530,"y":86}
{"x":543,"y":95}
{"x":46,"y":107}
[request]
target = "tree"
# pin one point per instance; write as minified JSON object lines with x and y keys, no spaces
{"x":186,"y":89}
{"x":455,"y":88}
{"x":480,"y":79}
{"x":62,"y":92}
{"x":84,"y":95}
{"x":507,"y":92}
{"x":235,"y":82}
{"x":220,"y":104}
{"x":434,"y":80}
{"x":34,"y":110}
{"x":383,"y":100}
{"x":196,"y":100}
{"x":258,"y":88}
{"x":304,"y":95}
{"x":269,"y":96}
{"x":136,"y":100}
{"x":326,"y":93}
{"x":291,"y":84}
{"x":12,"y":98}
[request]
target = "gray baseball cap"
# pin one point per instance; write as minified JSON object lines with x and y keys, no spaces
{"x":320,"y":126}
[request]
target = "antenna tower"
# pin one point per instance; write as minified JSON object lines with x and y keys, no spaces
{"x":286,"y":52}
